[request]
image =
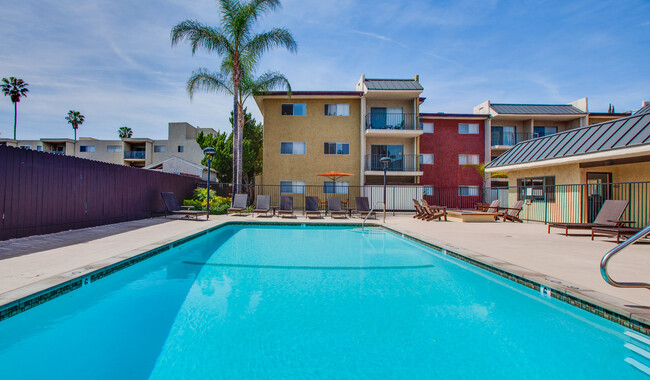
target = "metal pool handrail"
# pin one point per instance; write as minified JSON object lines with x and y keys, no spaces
{"x":614,"y":251}
{"x":363,"y":224}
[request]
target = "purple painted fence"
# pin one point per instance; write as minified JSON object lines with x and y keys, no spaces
{"x":43,"y":193}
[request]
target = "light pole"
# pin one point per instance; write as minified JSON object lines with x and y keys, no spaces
{"x":385,"y":161}
{"x":209,"y":152}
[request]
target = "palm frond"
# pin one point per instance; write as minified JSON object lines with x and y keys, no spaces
{"x":269,"y":81}
{"x":263,"y":42}
{"x":204,"y":80}
{"x":201,"y":36}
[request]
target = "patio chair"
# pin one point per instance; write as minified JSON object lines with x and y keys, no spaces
{"x":263,"y":205}
{"x":363,"y":207}
{"x":616,"y":231}
{"x":311,"y":207}
{"x":286,"y":206}
{"x":420,"y":213}
{"x":173,"y":207}
{"x":334,"y":206}
{"x":239,"y":202}
{"x":608,"y":216}
{"x":493,"y":207}
{"x":510,"y":213}
{"x":433,"y":212}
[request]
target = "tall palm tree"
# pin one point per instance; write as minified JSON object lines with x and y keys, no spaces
{"x":240,"y":48}
{"x":75,"y":118}
{"x":125,"y":132}
{"x":14,"y":88}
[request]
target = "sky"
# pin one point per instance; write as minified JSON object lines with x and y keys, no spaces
{"x":113,"y":60}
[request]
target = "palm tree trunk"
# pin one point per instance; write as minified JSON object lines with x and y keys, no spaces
{"x":240,"y":131}
{"x":15,"y":117}
{"x":235,"y":140}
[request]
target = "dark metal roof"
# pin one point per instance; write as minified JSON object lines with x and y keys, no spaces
{"x":393,"y":84}
{"x":314,"y":93}
{"x":620,"y":133}
{"x":454,"y":115}
{"x":536,"y":109}
{"x":644,"y":110}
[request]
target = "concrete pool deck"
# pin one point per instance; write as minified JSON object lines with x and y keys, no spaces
{"x":568,"y":264}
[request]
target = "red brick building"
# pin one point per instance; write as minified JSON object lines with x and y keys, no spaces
{"x":449,"y":142}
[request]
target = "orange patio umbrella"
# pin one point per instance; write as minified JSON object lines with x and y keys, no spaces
{"x":334,"y":175}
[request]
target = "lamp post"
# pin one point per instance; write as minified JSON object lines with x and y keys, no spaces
{"x":385,"y":161}
{"x":209,"y":152}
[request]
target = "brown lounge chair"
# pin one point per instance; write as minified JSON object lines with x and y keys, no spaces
{"x":311,"y":207}
{"x":172,"y":206}
{"x":616,"y":231}
{"x":608,"y":216}
{"x":334,"y":206}
{"x":263,"y":205}
{"x":420,"y":213}
{"x":238,"y":204}
{"x":363,"y":207}
{"x":286,"y":206}
{"x":493,"y":207}
{"x":433,"y":212}
{"x":510,"y":213}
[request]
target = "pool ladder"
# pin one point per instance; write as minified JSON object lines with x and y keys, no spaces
{"x":363,"y":224}
{"x":614,"y":251}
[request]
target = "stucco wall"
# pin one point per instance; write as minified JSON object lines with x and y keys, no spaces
{"x":314,"y":129}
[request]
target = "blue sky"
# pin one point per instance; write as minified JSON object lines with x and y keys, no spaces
{"x":113,"y":61}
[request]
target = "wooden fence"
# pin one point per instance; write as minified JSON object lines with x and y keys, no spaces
{"x":42,"y":192}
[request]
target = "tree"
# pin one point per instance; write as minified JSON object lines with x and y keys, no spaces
{"x":252,"y":151}
{"x":124,"y":132}
{"x":75,"y":118}
{"x":480,"y":170}
{"x":15,"y":88}
{"x":241,"y":50}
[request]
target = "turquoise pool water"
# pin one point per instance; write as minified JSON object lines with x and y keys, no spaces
{"x":257,"y":302}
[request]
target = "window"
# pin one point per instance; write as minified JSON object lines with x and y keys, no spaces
{"x":113,"y":149}
{"x":467,"y":129}
{"x":426,"y":159}
{"x":335,"y":187}
{"x":536,"y":188}
{"x":25,"y":147}
{"x":159,"y":148}
{"x":39,"y":148}
{"x":427,"y":127}
{"x":336,"y":148}
{"x":294,"y":109}
{"x":336,"y":110}
{"x":468,"y":159}
{"x":87,"y":148}
{"x":427,"y":190}
{"x":292,"y":148}
{"x":180,"y":149}
{"x":468,"y":191}
{"x":292,"y":187}
{"x":539,"y":131}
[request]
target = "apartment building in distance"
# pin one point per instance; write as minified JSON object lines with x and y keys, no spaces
{"x":135,"y":152}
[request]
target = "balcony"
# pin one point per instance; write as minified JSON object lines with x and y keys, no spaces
{"x":134,"y":154}
{"x":507,"y":139}
{"x":408,"y":164}
{"x":394,"y":124}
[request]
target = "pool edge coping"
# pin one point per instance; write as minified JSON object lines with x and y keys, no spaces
{"x":24,"y":298}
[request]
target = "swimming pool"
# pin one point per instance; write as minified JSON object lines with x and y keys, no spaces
{"x":312,"y":302}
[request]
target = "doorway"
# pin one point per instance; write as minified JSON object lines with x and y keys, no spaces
{"x":599,"y":189}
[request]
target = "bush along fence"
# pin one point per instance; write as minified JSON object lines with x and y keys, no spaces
{"x":42,"y":192}
{"x":548,"y":204}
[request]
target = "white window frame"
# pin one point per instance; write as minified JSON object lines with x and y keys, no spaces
{"x":157,"y":149}
{"x":427,"y":155}
{"x":297,"y":187}
{"x":424,"y":127}
{"x":427,"y":190}
{"x":293,"y":147}
{"x":339,"y":187}
{"x":470,"y":128}
{"x":293,"y":108}
{"x":115,"y":149}
{"x":336,"y":148}
{"x":88,"y":149}
{"x":336,"y":109}
{"x":467,"y":159}
{"x":472,"y":191}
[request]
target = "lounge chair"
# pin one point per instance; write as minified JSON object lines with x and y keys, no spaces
{"x":239,"y":202}
{"x":263,"y":205}
{"x":419,"y":211}
{"x":334,"y":206}
{"x":363,"y":207}
{"x":286,"y":206}
{"x":608,"y":216}
{"x":493,"y":207}
{"x":433,"y":212}
{"x":173,"y":207}
{"x":311,"y":207}
{"x":510,"y":213}
{"x":616,"y":231}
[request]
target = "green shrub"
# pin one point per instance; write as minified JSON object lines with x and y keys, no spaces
{"x":196,"y":205}
{"x":218,"y":205}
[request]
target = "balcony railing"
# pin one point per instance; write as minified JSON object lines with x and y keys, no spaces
{"x":402,"y":163}
{"x":510,"y":138}
{"x":134,"y":155}
{"x":394,"y":121}
{"x":57,"y":151}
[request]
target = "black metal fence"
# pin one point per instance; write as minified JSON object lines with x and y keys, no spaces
{"x":558,"y":203}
